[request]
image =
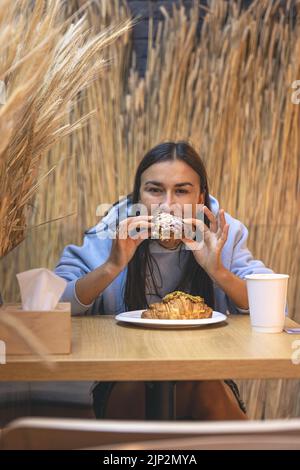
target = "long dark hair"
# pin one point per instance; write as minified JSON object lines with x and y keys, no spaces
{"x":194,"y":279}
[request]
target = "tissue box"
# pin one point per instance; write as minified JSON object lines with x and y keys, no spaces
{"x":53,"y":329}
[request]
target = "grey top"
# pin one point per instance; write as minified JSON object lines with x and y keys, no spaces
{"x":171,"y":266}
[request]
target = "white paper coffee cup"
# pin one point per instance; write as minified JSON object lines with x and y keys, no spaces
{"x":267,"y":294}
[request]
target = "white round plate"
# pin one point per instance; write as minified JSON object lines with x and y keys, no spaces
{"x":135,"y":317}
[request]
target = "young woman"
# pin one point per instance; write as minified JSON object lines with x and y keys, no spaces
{"x":112,"y":275}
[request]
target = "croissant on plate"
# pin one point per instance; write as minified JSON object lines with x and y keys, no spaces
{"x":178,"y":306}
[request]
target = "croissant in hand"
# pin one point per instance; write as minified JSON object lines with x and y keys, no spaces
{"x":178,"y":306}
{"x":166,"y":226}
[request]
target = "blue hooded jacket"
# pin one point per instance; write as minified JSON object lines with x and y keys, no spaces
{"x":77,"y":261}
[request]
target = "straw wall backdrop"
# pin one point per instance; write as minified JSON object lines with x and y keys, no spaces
{"x":228,"y":92}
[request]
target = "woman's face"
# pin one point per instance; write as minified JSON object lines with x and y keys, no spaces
{"x":171,"y":184}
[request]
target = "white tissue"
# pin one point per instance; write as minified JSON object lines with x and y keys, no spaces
{"x":40,"y":289}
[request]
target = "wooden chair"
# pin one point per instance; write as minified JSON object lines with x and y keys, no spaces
{"x":50,"y":434}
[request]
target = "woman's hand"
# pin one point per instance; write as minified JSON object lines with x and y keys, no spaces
{"x":208,"y":250}
{"x":130,"y":234}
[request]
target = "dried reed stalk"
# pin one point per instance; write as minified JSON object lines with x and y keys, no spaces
{"x":90,"y":157}
{"x":45,"y":62}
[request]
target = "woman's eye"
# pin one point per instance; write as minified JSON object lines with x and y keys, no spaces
{"x":154,"y":190}
{"x":182,"y":191}
{"x":158,"y":190}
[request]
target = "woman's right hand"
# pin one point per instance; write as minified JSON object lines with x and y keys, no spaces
{"x":130,"y":234}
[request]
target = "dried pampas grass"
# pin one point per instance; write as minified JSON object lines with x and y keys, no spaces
{"x":45,"y":61}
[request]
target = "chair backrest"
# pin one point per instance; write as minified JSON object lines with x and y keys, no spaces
{"x":51,"y":433}
{"x":213,"y":442}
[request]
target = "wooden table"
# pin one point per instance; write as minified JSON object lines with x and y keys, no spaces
{"x":103,"y":350}
{"x":108,"y":351}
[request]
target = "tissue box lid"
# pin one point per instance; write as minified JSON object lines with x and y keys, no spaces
{"x":53,"y":329}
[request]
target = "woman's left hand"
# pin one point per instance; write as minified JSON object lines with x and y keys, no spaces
{"x":208,"y":250}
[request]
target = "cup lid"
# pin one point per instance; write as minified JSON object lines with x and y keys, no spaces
{"x":266,"y":276}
